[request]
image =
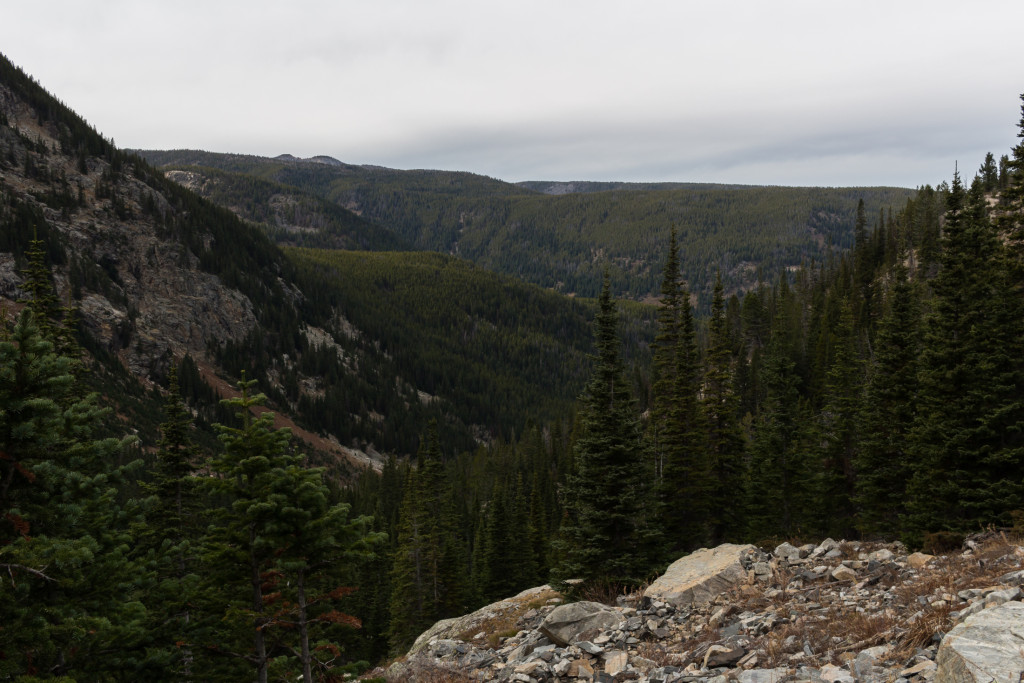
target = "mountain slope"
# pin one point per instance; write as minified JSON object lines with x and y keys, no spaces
{"x":161,"y":276}
{"x":563,"y":235}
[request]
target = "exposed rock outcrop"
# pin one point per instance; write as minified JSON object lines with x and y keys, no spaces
{"x":988,"y":647}
{"x":569,"y":624}
{"x":700,"y":577}
{"x":788,"y":617}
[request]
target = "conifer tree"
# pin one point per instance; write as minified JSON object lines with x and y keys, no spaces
{"x":171,"y":534}
{"x":725,"y":443}
{"x":837,"y":425}
{"x":967,"y":438}
{"x":71,"y":607}
{"x":883,"y":462}
{"x":278,"y":551}
{"x":682,"y":485}
{"x":780,"y":476}
{"x":427,"y":577}
{"x":604,"y":532}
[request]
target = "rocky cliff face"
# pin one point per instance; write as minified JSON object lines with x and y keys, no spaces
{"x":832,"y":612}
{"x":140,"y":292}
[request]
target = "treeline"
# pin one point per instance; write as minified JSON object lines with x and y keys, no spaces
{"x":874,"y":395}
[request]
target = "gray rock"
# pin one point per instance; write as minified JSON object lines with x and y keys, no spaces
{"x":788,"y":552}
{"x":567,"y":624}
{"x":986,"y":648}
{"x":1013,"y":578}
{"x":762,"y":675}
{"x":615,"y":661}
{"x":722,"y":655}
{"x":843,"y":573}
{"x":831,"y":673}
{"x":824,"y":547}
{"x":453,"y":628}
{"x":702,"y":576}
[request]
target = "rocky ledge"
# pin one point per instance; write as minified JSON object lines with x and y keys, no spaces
{"x":820,"y":613}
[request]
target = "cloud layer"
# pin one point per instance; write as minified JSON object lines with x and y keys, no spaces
{"x":805,"y":93}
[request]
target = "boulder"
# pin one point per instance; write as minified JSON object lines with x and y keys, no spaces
{"x":919,"y":560}
{"x":503,"y":611}
{"x":615,"y":661}
{"x":843,"y":573}
{"x":787,"y":551}
{"x":987,"y":647}
{"x":576,"y":621}
{"x":702,"y":576}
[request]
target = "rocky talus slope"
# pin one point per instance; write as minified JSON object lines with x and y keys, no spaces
{"x":831,"y":612}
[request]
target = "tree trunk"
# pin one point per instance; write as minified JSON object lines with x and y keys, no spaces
{"x":257,"y":607}
{"x":307,"y":671}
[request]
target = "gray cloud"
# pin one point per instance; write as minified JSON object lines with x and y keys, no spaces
{"x":789,"y":92}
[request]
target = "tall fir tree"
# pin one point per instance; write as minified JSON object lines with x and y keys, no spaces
{"x":837,"y":427}
{"x":726,"y":448}
{"x":428,"y":575}
{"x":968,"y":438}
{"x":883,"y":462}
{"x":604,"y":532}
{"x":779,"y":482}
{"x":72,"y":606}
{"x":682,"y":486}
{"x":277,"y":558}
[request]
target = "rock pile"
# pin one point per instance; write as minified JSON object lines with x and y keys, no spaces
{"x":833,"y":612}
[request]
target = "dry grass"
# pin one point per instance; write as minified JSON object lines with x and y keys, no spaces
{"x":505,"y":623}
{"x":657,"y":653}
{"x":429,"y":672}
{"x":903,"y":621}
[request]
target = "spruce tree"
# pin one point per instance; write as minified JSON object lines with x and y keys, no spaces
{"x":968,"y":438}
{"x":682,"y":486}
{"x":169,"y":538}
{"x":883,"y":463}
{"x":428,"y":575}
{"x":71,"y":606}
{"x":837,"y":424}
{"x":603,"y":537}
{"x":725,"y":442}
{"x":278,"y":555}
{"x":780,"y":476}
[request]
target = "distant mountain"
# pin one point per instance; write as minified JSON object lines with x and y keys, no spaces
{"x":563,"y":235}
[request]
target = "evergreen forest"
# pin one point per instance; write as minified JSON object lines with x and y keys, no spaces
{"x":155,"y":527}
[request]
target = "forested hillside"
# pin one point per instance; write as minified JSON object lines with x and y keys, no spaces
{"x":160,"y":277}
{"x":565,"y":239}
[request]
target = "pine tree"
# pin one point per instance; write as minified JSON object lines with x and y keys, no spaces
{"x":837,"y":425}
{"x":427,"y":577}
{"x":604,"y":532}
{"x":725,"y":443}
{"x":883,"y":462}
{"x":682,"y":486}
{"x":780,"y":477}
{"x":170,"y":536}
{"x":71,"y":607}
{"x":968,"y":438}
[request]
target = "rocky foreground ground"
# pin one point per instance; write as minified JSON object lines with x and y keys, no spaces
{"x":830,"y":612}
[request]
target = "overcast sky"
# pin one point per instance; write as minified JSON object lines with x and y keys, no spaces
{"x":747,"y":91}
